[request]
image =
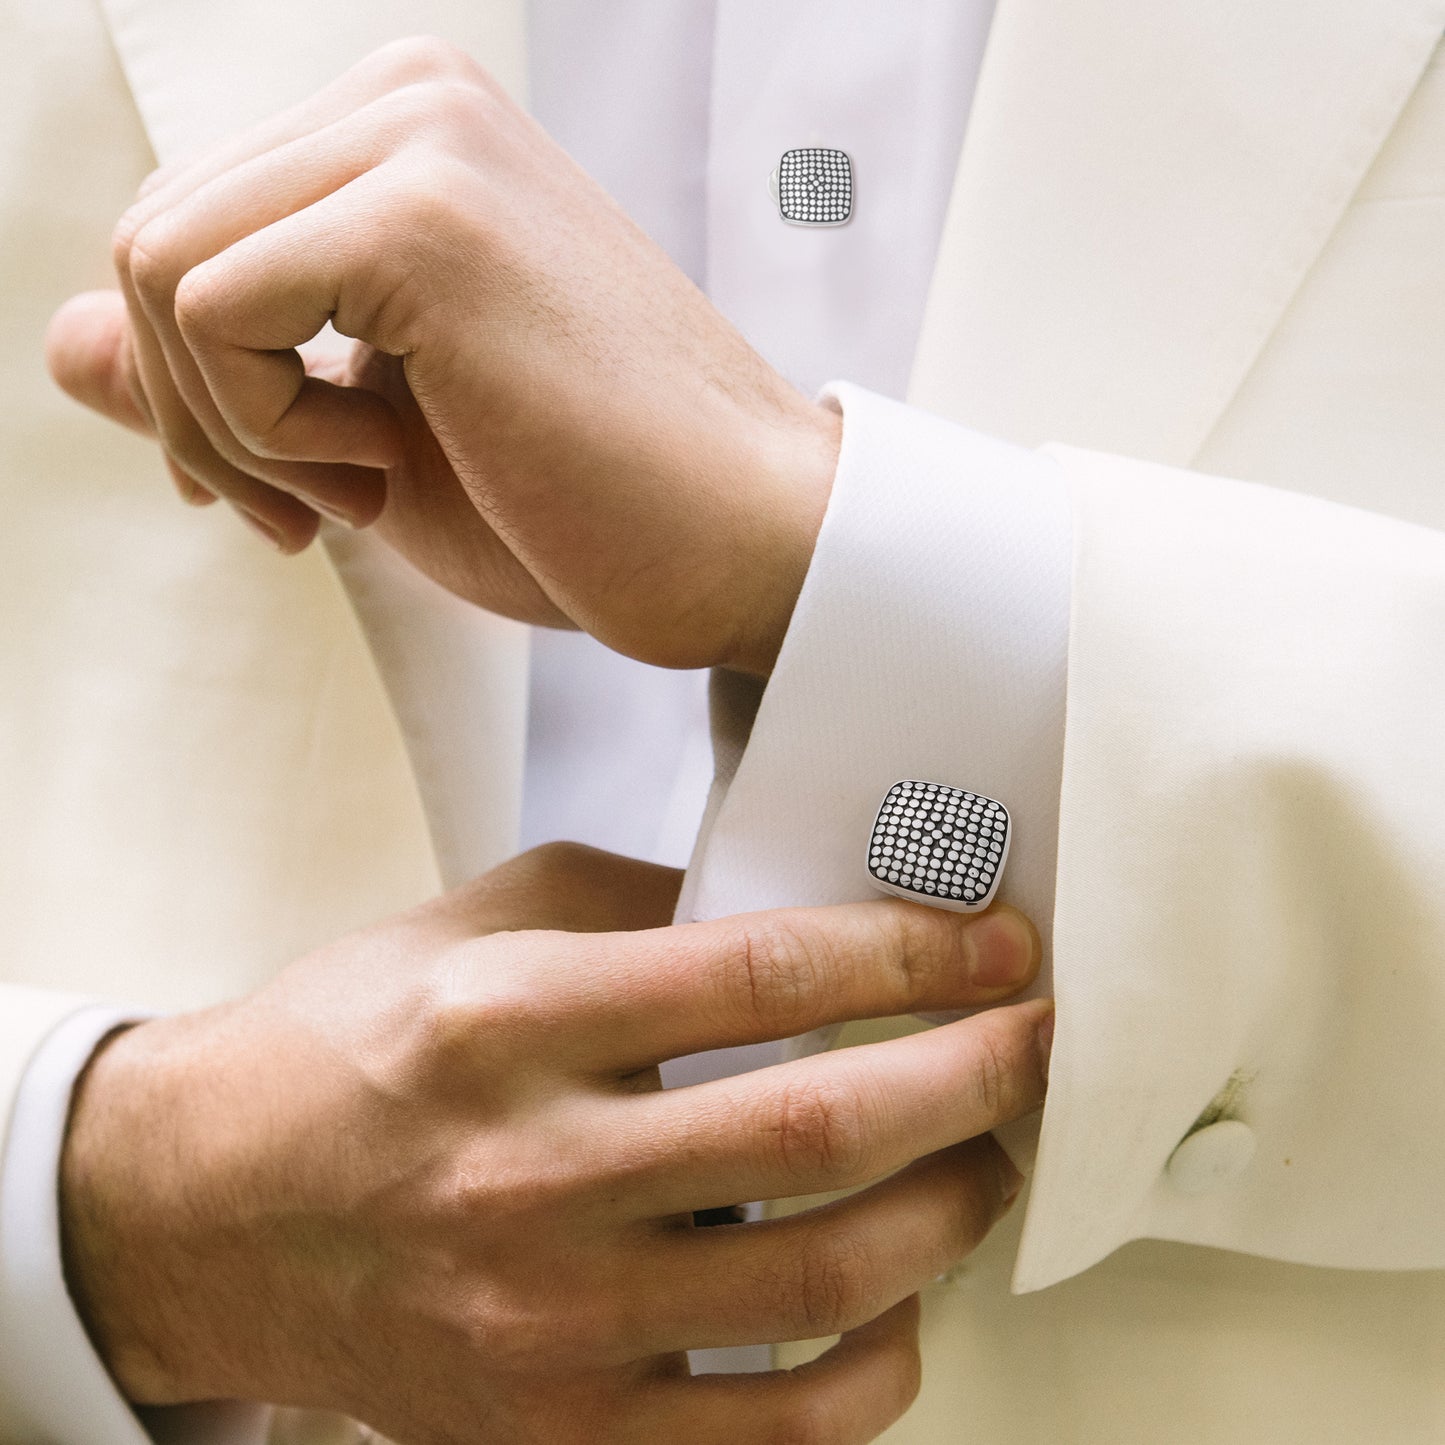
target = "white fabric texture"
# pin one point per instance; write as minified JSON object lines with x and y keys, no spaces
{"x":1206,"y":236}
{"x":1239,"y":762}
{"x":879,"y":679}
{"x":50,"y":1381}
{"x":665,"y":112}
{"x":617,"y":751}
{"x":929,"y":641}
{"x":681,"y":112}
{"x":1271,"y":807}
{"x":202,"y":773}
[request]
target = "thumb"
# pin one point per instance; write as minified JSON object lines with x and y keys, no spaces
{"x":88,"y":353}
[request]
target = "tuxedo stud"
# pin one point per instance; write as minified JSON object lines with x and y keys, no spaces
{"x":813,"y":186}
{"x":939,"y":845}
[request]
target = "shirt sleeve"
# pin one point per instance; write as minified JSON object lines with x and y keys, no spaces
{"x":929,"y":641}
{"x":53,"y":1385}
{"x":1215,"y":711}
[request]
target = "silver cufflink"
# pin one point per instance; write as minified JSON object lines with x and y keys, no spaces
{"x":813,"y":186}
{"x":939,"y":845}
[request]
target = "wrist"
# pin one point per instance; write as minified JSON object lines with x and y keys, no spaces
{"x":798,"y":470}
{"x":114,"y":1166}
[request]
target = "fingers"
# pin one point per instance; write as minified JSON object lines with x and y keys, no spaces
{"x":745,"y":979}
{"x":284,"y":522}
{"x":829,"y":1269}
{"x":848,"y":1396}
{"x":261,"y":412}
{"x":234,"y":320}
{"x":339,"y":473}
{"x":410,"y":61}
{"x":323,"y":444}
{"x":88,"y":354}
{"x":835,"y":1120}
{"x":253,"y":184}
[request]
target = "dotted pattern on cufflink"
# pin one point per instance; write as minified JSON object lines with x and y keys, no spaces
{"x":815,"y":186}
{"x":939,"y":845}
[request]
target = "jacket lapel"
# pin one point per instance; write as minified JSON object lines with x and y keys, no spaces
{"x":1143,"y":186}
{"x":202,"y":68}
{"x":455,"y":676}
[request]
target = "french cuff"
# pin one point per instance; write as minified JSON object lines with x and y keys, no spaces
{"x":930,"y":641}
{"x":52,"y":1383}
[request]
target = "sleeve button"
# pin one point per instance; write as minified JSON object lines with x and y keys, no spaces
{"x":1211,"y":1157}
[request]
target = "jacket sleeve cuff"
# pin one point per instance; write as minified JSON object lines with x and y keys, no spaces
{"x":1248,"y":922}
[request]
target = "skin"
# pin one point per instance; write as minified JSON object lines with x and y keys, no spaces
{"x":427,"y":1176}
{"x":536,"y":406}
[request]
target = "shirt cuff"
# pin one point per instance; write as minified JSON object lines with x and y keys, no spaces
{"x":51,"y":1379}
{"x":930,"y":640}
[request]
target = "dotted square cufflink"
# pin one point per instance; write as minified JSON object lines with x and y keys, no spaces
{"x":939,"y":845}
{"x":814,"y":186}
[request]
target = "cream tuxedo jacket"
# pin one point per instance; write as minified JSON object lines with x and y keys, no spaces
{"x":1186,"y":243}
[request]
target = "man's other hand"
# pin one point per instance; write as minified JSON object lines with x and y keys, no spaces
{"x":539,"y":408}
{"x":427,"y":1177}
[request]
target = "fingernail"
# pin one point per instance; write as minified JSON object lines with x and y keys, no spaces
{"x":1003,"y":950}
{"x":264,"y":530}
{"x":1046,"y":1042}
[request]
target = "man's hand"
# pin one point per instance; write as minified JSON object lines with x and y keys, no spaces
{"x":542,"y":411}
{"x":427,"y":1176}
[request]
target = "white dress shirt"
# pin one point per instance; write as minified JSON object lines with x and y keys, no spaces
{"x":682,"y":112}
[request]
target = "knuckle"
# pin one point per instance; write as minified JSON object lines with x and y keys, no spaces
{"x":122,"y":238}
{"x":579,"y":1326}
{"x":819,"y":1132}
{"x":926,"y":947}
{"x":557,"y":860}
{"x":428,"y":112}
{"x":197,"y":297}
{"x":778,"y":969}
{"x":519,"y":1335}
{"x":804,"y":1422}
{"x":416,"y":58}
{"x":992,"y":1074}
{"x":456,"y":1199}
{"x":522,"y":1195}
{"x":421,"y":202}
{"x":154,"y":265}
{"x":472,"y":1014}
{"x":834,"y":1288}
{"x":155,"y":180}
{"x":456,"y":102}
{"x":258,"y":441}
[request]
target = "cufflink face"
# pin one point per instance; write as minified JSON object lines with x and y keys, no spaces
{"x":939,"y":845}
{"x":815,"y":186}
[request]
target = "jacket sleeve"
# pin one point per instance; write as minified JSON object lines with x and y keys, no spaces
{"x":1247,"y":806}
